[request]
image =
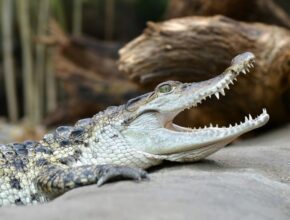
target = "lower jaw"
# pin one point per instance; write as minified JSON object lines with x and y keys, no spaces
{"x":198,"y":153}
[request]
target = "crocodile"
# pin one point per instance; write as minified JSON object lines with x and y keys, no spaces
{"x":121,"y":141}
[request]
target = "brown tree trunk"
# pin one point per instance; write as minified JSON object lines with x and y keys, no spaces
{"x":265,"y":11}
{"x":198,"y":48}
{"x":88,"y":72}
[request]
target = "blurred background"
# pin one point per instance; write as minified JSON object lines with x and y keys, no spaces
{"x":50,"y":49}
{"x":29,"y":90}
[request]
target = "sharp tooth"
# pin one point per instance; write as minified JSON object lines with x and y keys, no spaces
{"x":246,"y":119}
{"x":244,"y":71}
{"x":250,"y":117}
{"x":217,"y":95}
{"x":223,"y":92}
{"x":210,"y":125}
{"x":236,"y":124}
{"x":230,"y":126}
{"x":231,"y":81}
{"x":227,"y":86}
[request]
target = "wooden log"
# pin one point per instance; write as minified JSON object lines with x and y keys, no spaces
{"x":90,"y":78}
{"x":265,"y":11}
{"x":199,"y":48}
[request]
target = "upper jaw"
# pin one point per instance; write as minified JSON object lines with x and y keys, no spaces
{"x":216,"y":86}
{"x":195,"y":93}
{"x":201,"y":91}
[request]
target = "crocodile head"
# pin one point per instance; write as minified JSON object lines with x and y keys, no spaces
{"x":152,"y":129}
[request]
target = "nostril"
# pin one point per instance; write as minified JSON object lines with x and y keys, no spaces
{"x":243,"y":57}
{"x":185,"y":85}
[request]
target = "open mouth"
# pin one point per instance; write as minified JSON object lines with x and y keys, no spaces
{"x":214,"y":88}
{"x":153,"y":130}
{"x":160,"y":136}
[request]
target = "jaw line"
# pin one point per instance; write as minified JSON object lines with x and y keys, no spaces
{"x":213,"y":135}
{"x":216,"y":86}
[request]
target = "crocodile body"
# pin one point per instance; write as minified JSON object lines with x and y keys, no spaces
{"x":119,"y":142}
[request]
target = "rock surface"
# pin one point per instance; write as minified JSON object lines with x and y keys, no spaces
{"x":249,"y":180}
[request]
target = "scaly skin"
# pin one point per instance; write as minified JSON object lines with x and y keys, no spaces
{"x":119,"y":142}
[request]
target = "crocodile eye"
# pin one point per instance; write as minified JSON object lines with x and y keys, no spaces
{"x":165,"y":88}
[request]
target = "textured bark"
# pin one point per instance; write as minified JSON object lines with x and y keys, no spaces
{"x":87,"y":90}
{"x":198,"y":48}
{"x":88,"y":71}
{"x":265,"y":11}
